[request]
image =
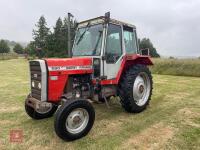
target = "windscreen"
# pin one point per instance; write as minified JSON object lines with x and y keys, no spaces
{"x":88,"y":41}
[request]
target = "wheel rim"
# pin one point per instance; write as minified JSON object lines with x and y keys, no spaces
{"x":44,"y":108}
{"x":141,"y":89}
{"x":77,"y":120}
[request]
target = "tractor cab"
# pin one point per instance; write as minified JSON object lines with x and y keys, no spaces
{"x":107,"y":41}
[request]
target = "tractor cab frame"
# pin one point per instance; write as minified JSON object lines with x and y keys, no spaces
{"x":107,"y":41}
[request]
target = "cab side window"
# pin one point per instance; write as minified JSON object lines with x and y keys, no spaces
{"x":130,"y":40}
{"x":113,"y":48}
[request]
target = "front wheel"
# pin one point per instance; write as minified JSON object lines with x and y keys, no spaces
{"x":40,"y":113}
{"x":74,"y":119}
{"x":135,"y":88}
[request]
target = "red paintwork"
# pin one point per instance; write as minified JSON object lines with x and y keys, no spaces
{"x":56,"y":87}
{"x":128,"y":61}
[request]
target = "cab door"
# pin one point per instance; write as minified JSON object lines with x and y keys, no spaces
{"x":113,"y":51}
{"x":130,"y":40}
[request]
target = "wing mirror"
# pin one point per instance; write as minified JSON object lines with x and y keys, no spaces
{"x":145,"y":52}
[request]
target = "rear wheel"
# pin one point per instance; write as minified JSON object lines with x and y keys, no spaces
{"x":74,"y":119}
{"x":135,"y":88}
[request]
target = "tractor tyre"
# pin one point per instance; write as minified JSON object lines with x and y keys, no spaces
{"x":40,"y":115}
{"x":135,"y":88}
{"x":74,"y":119}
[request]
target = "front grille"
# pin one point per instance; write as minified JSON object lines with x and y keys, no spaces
{"x":36,"y":76}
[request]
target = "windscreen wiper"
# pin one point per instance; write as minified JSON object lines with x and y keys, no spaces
{"x":81,"y":36}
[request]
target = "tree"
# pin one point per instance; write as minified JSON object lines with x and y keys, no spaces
{"x":30,"y":49}
{"x":55,"y":41}
{"x":60,"y":49}
{"x":52,"y":44}
{"x":4,"y":48}
{"x":18,"y":49}
{"x":40,"y":35}
{"x":72,"y":24}
{"x":57,"y":45}
{"x":146,"y":43}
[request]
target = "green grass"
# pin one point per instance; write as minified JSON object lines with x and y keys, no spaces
{"x":179,"y":67}
{"x":170,"y":122}
{"x":7,"y":56}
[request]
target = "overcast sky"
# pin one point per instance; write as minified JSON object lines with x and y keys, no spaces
{"x":172,"y":25}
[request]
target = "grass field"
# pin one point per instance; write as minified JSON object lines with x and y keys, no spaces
{"x":179,"y":67}
{"x":172,"y":121}
{"x":7,"y":56}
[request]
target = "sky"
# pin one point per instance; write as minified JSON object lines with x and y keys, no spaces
{"x":173,"y":26}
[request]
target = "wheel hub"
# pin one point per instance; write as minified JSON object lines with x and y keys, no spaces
{"x":141,"y":89}
{"x":77,"y":120}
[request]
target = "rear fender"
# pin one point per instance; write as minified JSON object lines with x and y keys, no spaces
{"x":130,"y":60}
{"x":137,"y":59}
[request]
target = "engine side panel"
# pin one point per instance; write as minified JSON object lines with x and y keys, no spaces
{"x":59,"y":71}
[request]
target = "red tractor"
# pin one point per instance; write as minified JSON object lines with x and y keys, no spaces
{"x":105,"y":62}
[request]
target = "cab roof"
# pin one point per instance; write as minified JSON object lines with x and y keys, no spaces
{"x":101,"y":19}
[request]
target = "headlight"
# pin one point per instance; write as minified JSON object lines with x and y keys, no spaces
{"x":33,"y":84}
{"x":39,"y":85}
